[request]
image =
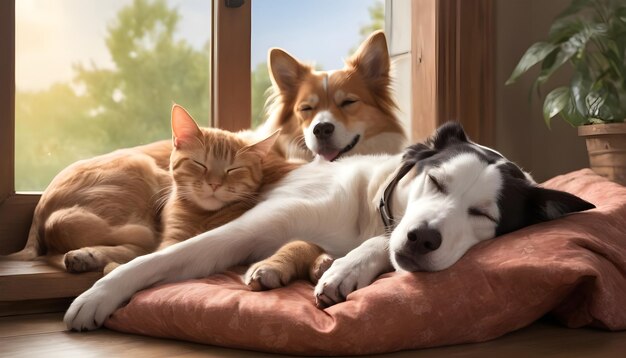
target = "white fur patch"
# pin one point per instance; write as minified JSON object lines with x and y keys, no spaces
{"x":342,"y":136}
{"x":469,"y":184}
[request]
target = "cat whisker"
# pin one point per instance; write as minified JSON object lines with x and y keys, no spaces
{"x":160,"y":198}
{"x":250,"y":198}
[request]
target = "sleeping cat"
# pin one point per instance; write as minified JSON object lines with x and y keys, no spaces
{"x":216,"y":176}
{"x":100,"y":210}
{"x":105,"y":211}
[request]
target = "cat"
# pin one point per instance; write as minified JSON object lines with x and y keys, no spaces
{"x":101,"y":210}
{"x":104,"y":211}
{"x":216,"y":175}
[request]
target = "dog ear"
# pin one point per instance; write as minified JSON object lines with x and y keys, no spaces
{"x":551,"y":204}
{"x":285,"y":71}
{"x":417,"y":152}
{"x":522,"y":203}
{"x":372,"y":57}
{"x":447,"y":133}
{"x":184,"y":129}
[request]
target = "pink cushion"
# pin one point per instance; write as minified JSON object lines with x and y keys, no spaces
{"x":573,"y":268}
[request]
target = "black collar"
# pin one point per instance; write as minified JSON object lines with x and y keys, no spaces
{"x":385,"y":201}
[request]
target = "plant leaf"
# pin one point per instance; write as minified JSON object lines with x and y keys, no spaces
{"x":575,"y":44}
{"x":535,"y":54}
{"x":555,"y":102}
{"x":603,"y":102}
{"x":571,"y":115}
{"x":563,"y":29}
{"x":580,"y":87}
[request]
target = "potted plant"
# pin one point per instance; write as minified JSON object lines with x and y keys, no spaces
{"x":591,"y":36}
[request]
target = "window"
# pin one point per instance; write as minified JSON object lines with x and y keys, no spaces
{"x":428,"y":51}
{"x":93,"y":76}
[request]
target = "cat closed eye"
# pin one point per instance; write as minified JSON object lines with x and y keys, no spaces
{"x":235,"y":170}
{"x":197,"y":163}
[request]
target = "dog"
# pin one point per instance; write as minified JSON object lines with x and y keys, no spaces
{"x":335,"y":113}
{"x":417,"y":211}
{"x":331,"y":114}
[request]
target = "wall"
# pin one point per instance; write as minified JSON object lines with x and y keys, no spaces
{"x":521,"y":133}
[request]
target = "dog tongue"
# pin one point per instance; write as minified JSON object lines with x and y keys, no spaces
{"x":330,"y":156}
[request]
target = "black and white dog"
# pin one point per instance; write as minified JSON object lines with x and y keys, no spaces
{"x":420,"y":211}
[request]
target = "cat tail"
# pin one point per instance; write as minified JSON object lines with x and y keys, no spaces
{"x":33,"y":248}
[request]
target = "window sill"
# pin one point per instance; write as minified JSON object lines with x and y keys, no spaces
{"x":24,"y":283}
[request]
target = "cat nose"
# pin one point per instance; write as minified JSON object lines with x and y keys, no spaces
{"x":323,"y":131}
{"x":214,"y":186}
{"x":424,"y":239}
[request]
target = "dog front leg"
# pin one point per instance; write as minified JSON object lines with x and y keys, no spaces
{"x":254,"y":235}
{"x":357,"y":269}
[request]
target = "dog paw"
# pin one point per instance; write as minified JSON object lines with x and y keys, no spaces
{"x":321,"y":265}
{"x":81,"y":260}
{"x":263,"y":276}
{"x":344,"y":276}
{"x":92,"y":308}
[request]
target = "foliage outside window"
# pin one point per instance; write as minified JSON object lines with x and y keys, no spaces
{"x":103,"y":109}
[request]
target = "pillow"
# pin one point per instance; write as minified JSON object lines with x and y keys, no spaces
{"x":573,"y":268}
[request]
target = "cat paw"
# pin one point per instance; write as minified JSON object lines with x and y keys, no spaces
{"x":263,"y":276}
{"x":81,"y":260}
{"x":321,"y":264}
{"x":110,"y":267}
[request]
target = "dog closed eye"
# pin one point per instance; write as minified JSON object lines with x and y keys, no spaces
{"x":481,"y":214}
{"x":305,"y":108}
{"x":438,"y":185}
{"x":347,"y":102}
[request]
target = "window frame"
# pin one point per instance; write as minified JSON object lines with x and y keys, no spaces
{"x":444,"y":66}
{"x":230,"y":38}
{"x":453,"y":77}
{"x":16,"y":210}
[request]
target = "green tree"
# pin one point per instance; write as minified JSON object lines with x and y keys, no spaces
{"x":152,"y":70}
{"x":53,"y":129}
{"x":377,"y":22}
{"x":261,"y":84}
{"x":377,"y":19}
{"x":113,"y":108}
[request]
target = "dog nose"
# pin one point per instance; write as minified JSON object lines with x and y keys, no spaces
{"x":424,"y":239}
{"x":323,"y":130}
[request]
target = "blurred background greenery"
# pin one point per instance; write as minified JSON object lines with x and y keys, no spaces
{"x":106,"y":108}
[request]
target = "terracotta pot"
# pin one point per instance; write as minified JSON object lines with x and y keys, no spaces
{"x":606,"y":146}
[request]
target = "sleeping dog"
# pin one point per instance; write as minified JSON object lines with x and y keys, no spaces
{"x":335,"y":113}
{"x":420,"y":211}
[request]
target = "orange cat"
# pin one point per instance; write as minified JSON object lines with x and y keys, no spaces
{"x":101,"y":210}
{"x":217,"y":176}
{"x":105,"y":211}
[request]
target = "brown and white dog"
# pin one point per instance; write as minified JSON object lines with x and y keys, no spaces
{"x":331,"y":114}
{"x":335,"y":113}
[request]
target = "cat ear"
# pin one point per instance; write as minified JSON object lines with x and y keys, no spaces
{"x":184,"y":128}
{"x":262,"y":147}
